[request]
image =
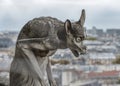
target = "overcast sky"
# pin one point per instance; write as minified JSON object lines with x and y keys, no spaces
{"x":100,"y":13}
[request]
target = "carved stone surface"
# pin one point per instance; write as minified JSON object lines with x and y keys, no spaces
{"x":39,"y":39}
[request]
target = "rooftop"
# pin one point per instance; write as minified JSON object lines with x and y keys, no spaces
{"x":104,"y":74}
{"x":101,"y":56}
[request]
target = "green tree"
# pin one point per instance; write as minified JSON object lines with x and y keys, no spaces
{"x":91,"y":38}
{"x":117,"y":60}
{"x":62,"y":62}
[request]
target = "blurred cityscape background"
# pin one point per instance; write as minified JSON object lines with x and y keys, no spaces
{"x":99,"y":67}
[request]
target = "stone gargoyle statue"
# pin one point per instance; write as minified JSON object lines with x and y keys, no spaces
{"x":39,"y":39}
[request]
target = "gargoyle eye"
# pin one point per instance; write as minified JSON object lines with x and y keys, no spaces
{"x":78,"y":39}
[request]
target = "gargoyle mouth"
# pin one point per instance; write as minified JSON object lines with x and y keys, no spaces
{"x":75,"y":52}
{"x":81,"y":50}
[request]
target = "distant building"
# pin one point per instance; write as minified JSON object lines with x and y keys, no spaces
{"x":57,"y":74}
{"x":86,"y":75}
{"x":113,"y":32}
{"x":101,"y":58}
{"x":93,"y":43}
{"x":105,"y":77}
{"x":85,"y":83}
{"x":73,"y":77}
{"x":10,"y":33}
{"x":66,"y":74}
{"x":100,"y":46}
{"x":78,"y":61}
{"x":100,"y":32}
{"x":5,"y":42}
{"x":63,"y":54}
{"x":95,"y":32}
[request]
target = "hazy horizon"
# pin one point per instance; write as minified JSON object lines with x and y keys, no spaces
{"x":100,"y":13}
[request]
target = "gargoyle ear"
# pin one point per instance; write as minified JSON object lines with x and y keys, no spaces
{"x":68,"y":26}
{"x":82,"y":18}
